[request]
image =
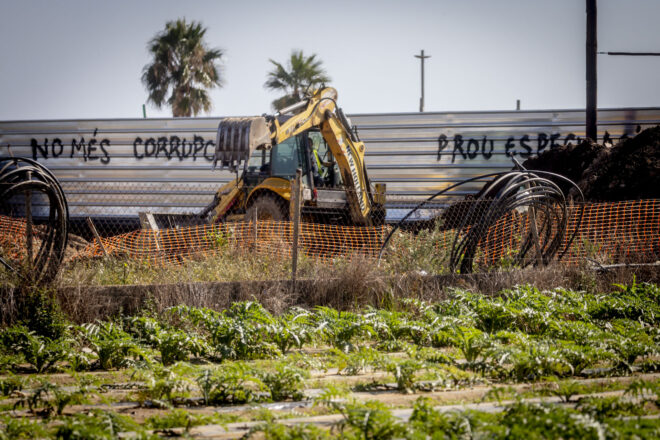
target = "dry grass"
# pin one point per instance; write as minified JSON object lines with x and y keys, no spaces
{"x":344,"y":285}
{"x":97,"y":288}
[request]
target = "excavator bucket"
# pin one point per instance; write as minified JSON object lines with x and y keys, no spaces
{"x":236,"y":140}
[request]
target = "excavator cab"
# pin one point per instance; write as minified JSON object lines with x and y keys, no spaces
{"x":307,"y":151}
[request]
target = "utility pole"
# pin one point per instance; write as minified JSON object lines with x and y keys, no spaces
{"x":422,"y":57}
{"x":592,"y":82}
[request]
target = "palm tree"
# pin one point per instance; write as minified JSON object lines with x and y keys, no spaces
{"x":183,"y":67}
{"x":298,"y":79}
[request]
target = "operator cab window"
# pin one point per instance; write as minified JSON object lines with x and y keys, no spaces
{"x":258,"y":167}
{"x":259,"y":162}
{"x":323,"y":162}
{"x":286,"y":157}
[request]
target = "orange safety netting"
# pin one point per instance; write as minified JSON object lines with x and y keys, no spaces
{"x":613,"y":232}
{"x":616,"y":232}
{"x":264,"y":238}
{"x":12,"y":238}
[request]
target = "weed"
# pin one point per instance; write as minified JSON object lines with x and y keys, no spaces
{"x":527,"y":420}
{"x":98,"y":425}
{"x":602,"y":408}
{"x":500,"y":393}
{"x":644,"y":390}
{"x":10,"y":362}
{"x":179,"y":418}
{"x":471,"y":342}
{"x":358,"y":361}
{"x":429,"y":422}
{"x":10,"y":384}
{"x":21,"y":428}
{"x":48,"y":397}
{"x":239,"y":333}
{"x":277,"y":431}
{"x":292,"y":329}
{"x":368,"y":421}
{"x":111,"y":344}
{"x":42,"y":314}
{"x":565,"y":390}
{"x":164,"y":387}
{"x":533,"y":361}
{"x":177,"y":345}
{"x":219,"y":239}
{"x":331,"y":393}
{"x":286,"y":382}
{"x":235,"y":383}
{"x":40,"y":352}
{"x":404,"y":374}
{"x":340,"y":329}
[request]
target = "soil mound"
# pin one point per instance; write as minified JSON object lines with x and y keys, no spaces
{"x":629,"y":170}
{"x":568,"y":160}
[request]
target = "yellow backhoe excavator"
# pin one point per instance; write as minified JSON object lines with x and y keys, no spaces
{"x":265,"y":152}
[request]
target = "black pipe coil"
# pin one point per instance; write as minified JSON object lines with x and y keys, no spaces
{"x":18,"y":177}
{"x":506,"y":192}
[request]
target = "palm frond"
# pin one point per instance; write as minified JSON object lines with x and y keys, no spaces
{"x":301,"y":75}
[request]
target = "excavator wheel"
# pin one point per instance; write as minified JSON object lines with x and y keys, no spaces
{"x":268,"y":207}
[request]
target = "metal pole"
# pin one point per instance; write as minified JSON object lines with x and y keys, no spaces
{"x":422,"y":57}
{"x":592,"y":84}
{"x":632,"y":54}
{"x":296,"y":197}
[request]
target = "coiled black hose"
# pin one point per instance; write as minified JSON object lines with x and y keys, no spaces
{"x":508,"y":193}
{"x":30,"y":192}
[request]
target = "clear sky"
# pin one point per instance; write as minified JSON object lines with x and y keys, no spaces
{"x":83,"y":58}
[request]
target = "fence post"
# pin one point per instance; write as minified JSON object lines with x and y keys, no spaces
{"x":148,"y":221}
{"x":296,"y":192}
{"x":254,"y":225}
{"x":535,"y":236}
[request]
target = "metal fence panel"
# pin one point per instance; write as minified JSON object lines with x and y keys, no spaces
{"x":119,"y":167}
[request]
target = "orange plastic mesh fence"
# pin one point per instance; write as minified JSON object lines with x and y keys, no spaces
{"x":12,"y":238}
{"x":264,"y":238}
{"x":616,"y":232}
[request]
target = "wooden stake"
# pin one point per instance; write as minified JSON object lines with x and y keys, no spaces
{"x":296,"y":197}
{"x":90,"y":223}
{"x":254,"y":225}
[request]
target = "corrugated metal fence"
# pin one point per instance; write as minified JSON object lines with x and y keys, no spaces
{"x":119,"y":167}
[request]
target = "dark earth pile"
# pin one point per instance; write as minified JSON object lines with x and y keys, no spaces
{"x":630,"y":170}
{"x":569,"y":160}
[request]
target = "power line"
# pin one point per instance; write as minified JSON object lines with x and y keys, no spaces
{"x":632,"y":54}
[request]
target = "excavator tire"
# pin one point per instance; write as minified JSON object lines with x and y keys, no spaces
{"x":268,"y":207}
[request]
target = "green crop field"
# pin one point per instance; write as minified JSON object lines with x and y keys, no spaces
{"x":521,"y":364}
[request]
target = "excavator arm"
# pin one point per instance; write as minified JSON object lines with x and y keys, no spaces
{"x":347,"y":150}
